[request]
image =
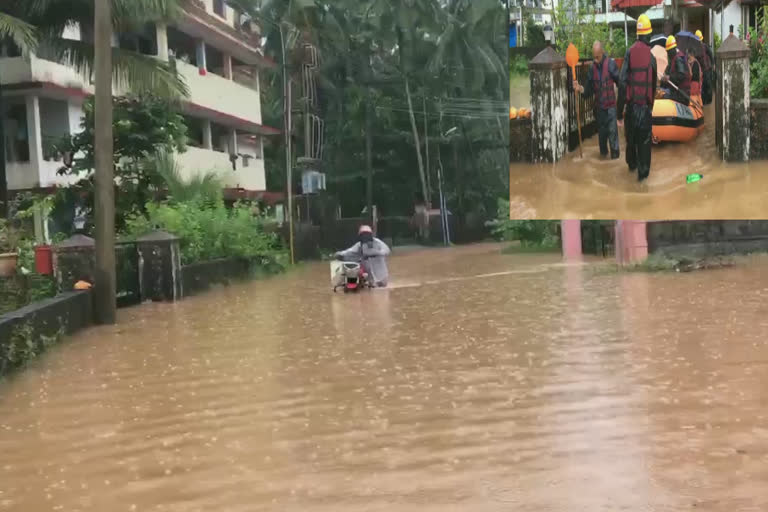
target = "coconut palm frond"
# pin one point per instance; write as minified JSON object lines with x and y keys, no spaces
{"x":204,"y":187}
{"x":132,"y":71}
{"x":21,"y":32}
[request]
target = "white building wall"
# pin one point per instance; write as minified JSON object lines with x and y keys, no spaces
{"x":732,"y":17}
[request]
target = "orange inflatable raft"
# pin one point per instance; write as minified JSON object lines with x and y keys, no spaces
{"x":675,"y":122}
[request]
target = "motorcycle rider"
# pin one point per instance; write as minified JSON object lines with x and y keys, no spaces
{"x":373,"y":251}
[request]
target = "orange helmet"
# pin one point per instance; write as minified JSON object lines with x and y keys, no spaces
{"x":364,"y":229}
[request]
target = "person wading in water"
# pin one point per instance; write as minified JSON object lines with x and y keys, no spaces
{"x":602,"y":76}
{"x":708,"y":68}
{"x":678,"y":72}
{"x":637,"y":83}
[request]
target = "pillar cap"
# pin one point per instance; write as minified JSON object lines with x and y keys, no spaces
{"x":74,"y":242}
{"x":547,"y":58}
{"x":157,"y":236}
{"x":732,"y":48}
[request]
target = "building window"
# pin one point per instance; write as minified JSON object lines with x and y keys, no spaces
{"x":218,"y":8}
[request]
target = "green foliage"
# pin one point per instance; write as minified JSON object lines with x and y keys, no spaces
{"x":25,"y":344}
{"x":578,"y":25}
{"x":518,"y":66}
{"x":534,"y":34}
{"x":210,"y":232}
{"x":530,"y":233}
{"x":9,"y":237}
{"x":718,"y":41}
{"x":206,"y":188}
{"x":142,"y":127}
{"x":757,"y":38}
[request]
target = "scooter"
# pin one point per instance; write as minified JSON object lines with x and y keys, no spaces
{"x":352,"y":276}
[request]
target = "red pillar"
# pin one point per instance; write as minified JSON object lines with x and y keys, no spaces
{"x":631,"y":241}
{"x":570,"y":231}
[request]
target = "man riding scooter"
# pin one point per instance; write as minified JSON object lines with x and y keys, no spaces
{"x":372,"y":252}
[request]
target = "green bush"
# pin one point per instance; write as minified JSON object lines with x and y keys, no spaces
{"x":530,"y":233}
{"x":757,"y":38}
{"x":209,"y":232}
{"x":518,"y":66}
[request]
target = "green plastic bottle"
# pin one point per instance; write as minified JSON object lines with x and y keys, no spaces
{"x":693,"y":178}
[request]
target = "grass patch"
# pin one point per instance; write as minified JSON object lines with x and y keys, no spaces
{"x":657,"y":263}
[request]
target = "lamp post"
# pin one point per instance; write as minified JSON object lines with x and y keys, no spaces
{"x":548,"y":34}
{"x":443,"y":207}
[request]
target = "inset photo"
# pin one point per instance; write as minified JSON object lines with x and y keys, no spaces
{"x":638,"y":109}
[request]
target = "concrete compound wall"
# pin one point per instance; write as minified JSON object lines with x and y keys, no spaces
{"x":707,"y":238}
{"x":758,"y":147}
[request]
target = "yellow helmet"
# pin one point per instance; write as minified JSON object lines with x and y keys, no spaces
{"x":671,"y":43}
{"x":699,"y":35}
{"x":643,"y":25}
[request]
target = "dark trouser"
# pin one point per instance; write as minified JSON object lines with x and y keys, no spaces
{"x":637,"y":126}
{"x":607,"y":131}
{"x":707,"y":89}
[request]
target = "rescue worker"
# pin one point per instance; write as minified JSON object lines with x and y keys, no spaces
{"x":696,"y":75}
{"x":372,"y":251}
{"x":708,"y":70}
{"x":602,"y":76}
{"x":677,"y":73}
{"x":637,"y":87}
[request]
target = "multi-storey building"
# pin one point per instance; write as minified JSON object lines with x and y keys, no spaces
{"x":216,"y":51}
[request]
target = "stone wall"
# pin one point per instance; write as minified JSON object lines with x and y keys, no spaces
{"x":758,"y":144}
{"x":29,"y":331}
{"x":707,"y":238}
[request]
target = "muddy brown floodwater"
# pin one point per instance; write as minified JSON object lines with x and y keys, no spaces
{"x":597,"y":188}
{"x":479,"y":382}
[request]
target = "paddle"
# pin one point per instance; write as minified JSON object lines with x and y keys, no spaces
{"x":572,"y":58}
{"x":690,"y":100}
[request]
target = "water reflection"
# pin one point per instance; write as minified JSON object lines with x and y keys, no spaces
{"x":487,"y":382}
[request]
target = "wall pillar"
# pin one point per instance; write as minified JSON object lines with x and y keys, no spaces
{"x":732,"y":105}
{"x":227,"y":66}
{"x":34,"y":133}
{"x":161,"y":36}
{"x":207,"y":135}
{"x":201,"y":58}
{"x":570,"y":233}
{"x":631,"y":241}
{"x":549,"y":106}
{"x":159,"y":267}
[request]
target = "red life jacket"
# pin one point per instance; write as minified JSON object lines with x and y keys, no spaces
{"x":601,"y":78}
{"x":686,"y":85}
{"x":640,"y":86}
{"x":695,"y":84}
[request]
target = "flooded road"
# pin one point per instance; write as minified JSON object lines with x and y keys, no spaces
{"x":596,"y":188}
{"x":536,"y":387}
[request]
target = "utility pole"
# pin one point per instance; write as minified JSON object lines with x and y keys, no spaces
{"x":3,"y":178}
{"x":105,"y":282}
{"x":426,"y":143}
{"x":369,"y":141}
{"x":287,"y":125}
